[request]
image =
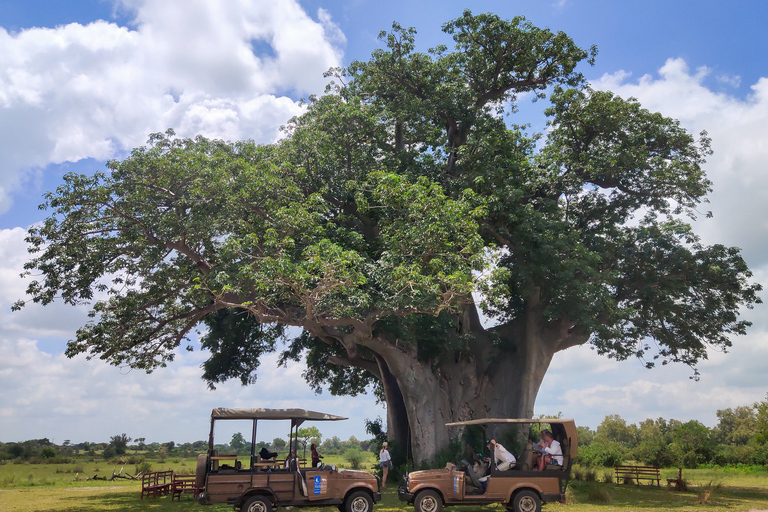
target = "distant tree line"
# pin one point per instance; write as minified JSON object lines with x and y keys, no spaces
{"x":122,"y":446}
{"x":740,"y":437}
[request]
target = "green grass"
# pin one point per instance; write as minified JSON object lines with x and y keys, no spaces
{"x":51,"y":487}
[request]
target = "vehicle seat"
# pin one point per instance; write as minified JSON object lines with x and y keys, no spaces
{"x":473,"y":477}
{"x":525,"y":461}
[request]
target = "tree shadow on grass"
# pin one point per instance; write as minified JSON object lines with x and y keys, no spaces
{"x":648,"y":497}
{"x":129,"y":502}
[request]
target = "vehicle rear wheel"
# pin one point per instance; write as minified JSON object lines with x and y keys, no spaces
{"x":359,"y":501}
{"x":428,"y":501}
{"x":526,"y":501}
{"x":257,"y":504}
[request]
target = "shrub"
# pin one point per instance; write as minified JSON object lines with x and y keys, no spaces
{"x":602,"y":453}
{"x":590,"y":475}
{"x":598,"y":494}
{"x":608,"y":477}
{"x":578,"y":473}
{"x":707,"y":494}
{"x":143,"y":467}
{"x":654,"y":452}
{"x":355,"y":457}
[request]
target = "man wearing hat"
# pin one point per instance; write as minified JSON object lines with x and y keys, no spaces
{"x":504,"y":459}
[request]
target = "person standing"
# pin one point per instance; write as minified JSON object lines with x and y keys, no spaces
{"x":386,"y":463}
{"x":315,"y":456}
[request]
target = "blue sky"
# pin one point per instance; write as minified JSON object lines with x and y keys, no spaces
{"x":84,"y":81}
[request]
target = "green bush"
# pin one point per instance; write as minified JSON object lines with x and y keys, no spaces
{"x":654,"y":452}
{"x":602,"y":453}
{"x":598,"y":494}
{"x":355,"y":457}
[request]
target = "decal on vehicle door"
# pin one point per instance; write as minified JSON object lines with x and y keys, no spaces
{"x":456,"y":484}
{"x":320,"y":485}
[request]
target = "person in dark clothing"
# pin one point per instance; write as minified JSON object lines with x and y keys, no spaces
{"x":266,"y":454}
{"x":315,"y":456}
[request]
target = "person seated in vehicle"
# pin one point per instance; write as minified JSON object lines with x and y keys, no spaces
{"x":266,"y":454}
{"x":550,"y":451}
{"x":290,"y":461}
{"x":504,"y":460}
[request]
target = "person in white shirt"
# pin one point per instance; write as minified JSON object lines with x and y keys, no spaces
{"x":550,"y":449}
{"x":386,"y":462}
{"x":504,"y":459}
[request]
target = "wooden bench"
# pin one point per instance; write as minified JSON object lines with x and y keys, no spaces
{"x":182,"y":484}
{"x":156,"y":484}
{"x":638,"y":473}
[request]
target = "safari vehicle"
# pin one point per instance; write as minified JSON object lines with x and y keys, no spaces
{"x":253,"y":484}
{"x":520,"y":489}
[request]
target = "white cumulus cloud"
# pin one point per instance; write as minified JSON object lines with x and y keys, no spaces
{"x":224,"y":69}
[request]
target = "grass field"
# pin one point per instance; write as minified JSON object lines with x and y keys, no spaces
{"x":52,"y":487}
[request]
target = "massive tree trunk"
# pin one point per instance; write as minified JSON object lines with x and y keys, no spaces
{"x":499,"y":376}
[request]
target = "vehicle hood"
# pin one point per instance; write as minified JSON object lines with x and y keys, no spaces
{"x":359,"y":475}
{"x":428,"y":474}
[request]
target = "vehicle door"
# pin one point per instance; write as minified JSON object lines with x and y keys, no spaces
{"x":457,"y":487}
{"x":316,"y":484}
{"x":498,"y":487}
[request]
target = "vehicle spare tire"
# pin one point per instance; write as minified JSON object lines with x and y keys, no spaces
{"x":202,"y":464}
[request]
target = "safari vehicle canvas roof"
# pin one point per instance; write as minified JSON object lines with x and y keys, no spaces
{"x":223,"y":413}
{"x":568,"y":424}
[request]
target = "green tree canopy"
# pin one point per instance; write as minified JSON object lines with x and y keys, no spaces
{"x":393,"y":198}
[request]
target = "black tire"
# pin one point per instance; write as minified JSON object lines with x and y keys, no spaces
{"x":428,"y":501}
{"x":358,"y":501}
{"x":257,"y":504}
{"x":526,"y":501}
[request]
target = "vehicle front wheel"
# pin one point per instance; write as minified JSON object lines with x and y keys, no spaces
{"x":526,"y":501}
{"x":428,"y":501}
{"x":359,"y":501}
{"x":257,"y":504}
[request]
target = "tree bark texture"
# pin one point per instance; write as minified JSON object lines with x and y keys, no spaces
{"x":499,"y":376}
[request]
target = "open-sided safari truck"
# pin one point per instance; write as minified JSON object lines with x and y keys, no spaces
{"x":253,"y":484}
{"x":520,"y":488}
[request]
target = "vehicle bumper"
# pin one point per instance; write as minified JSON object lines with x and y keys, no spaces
{"x":376,"y":497}
{"x":404,"y":495}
